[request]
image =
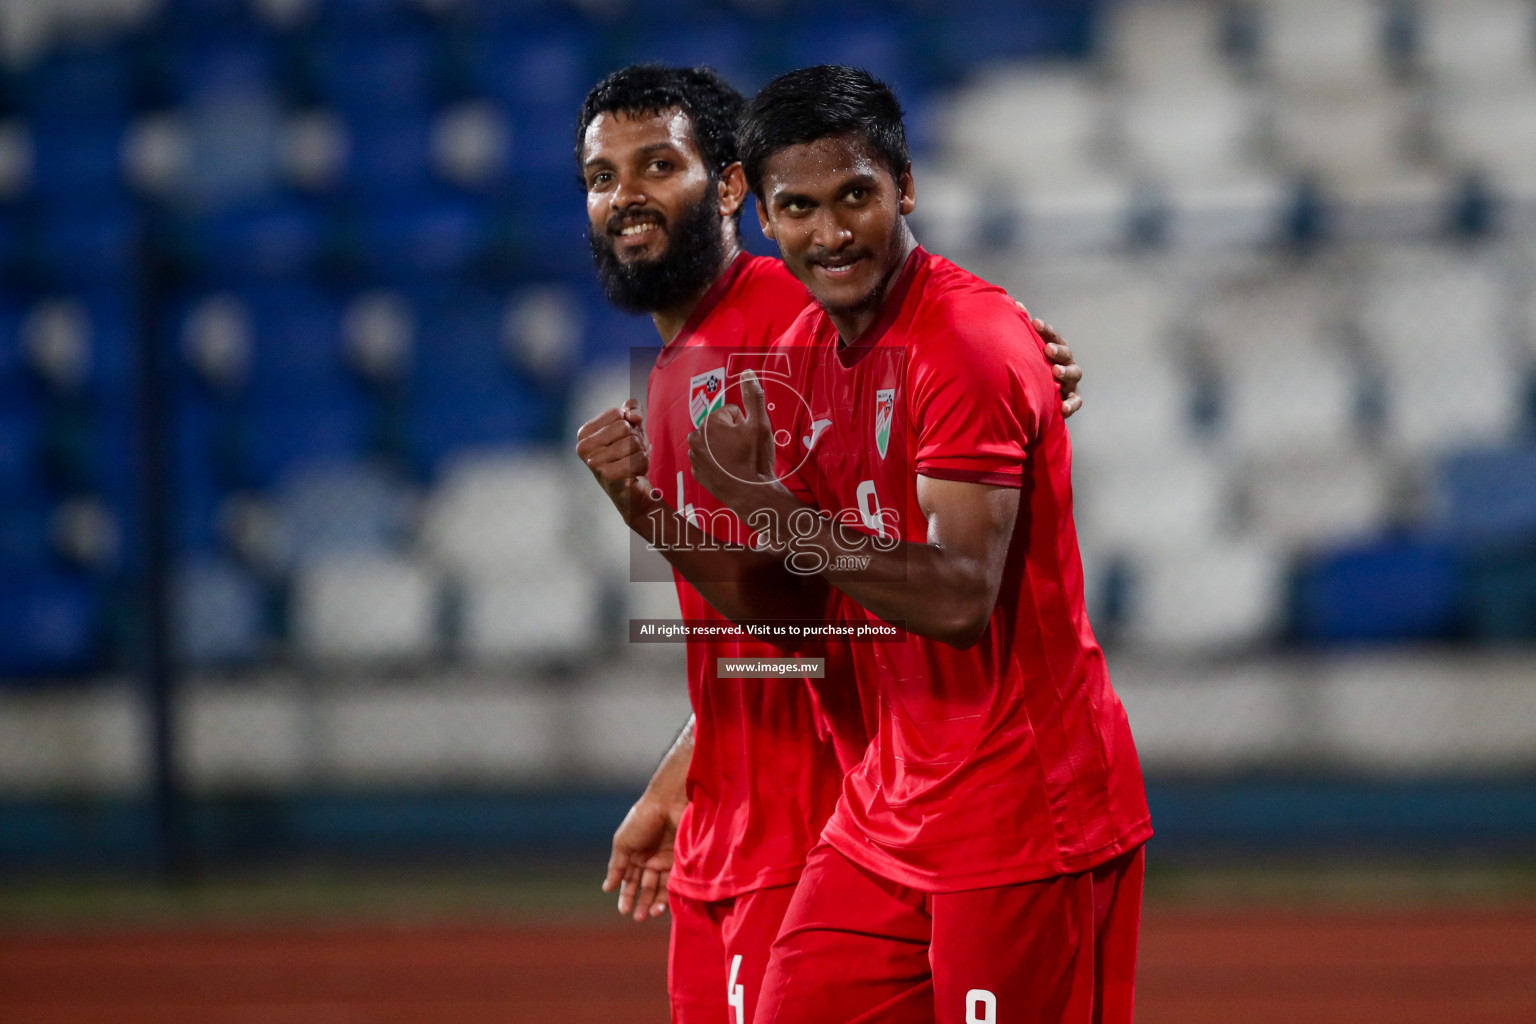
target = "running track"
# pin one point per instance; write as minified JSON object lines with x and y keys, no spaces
{"x":1198,"y":967}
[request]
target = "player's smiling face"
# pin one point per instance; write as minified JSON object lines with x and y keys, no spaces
{"x":838,"y":214}
{"x":643,"y":173}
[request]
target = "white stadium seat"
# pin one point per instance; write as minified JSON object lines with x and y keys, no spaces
{"x":1038,"y":126}
{"x":368,"y":608}
{"x":1212,"y":597}
{"x":1485,"y":42}
{"x":1166,"y":46}
{"x":1491,"y":131}
{"x":1150,"y":503}
{"x":504,"y":511}
{"x":1287,"y":384}
{"x":1439,"y":325}
{"x":1323,"y":43}
{"x":552,"y":616}
{"x":1324,"y":498}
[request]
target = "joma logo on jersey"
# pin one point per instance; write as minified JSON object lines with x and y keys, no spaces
{"x":706,"y":393}
{"x":885,"y":408}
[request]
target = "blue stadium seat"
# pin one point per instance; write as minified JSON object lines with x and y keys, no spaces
{"x":1392,"y":590}
{"x":86,"y":242}
{"x":218,"y":612}
{"x":495,"y":414}
{"x":543,"y":152}
{"x":342,"y":509}
{"x":731,"y":46}
{"x":75,"y":161}
{"x":13,"y":363}
{"x":876,"y":42}
{"x":25,"y":520}
{"x":1489,"y":497}
{"x":208,"y":446}
{"x":431,"y":234}
{"x":79,"y":85}
{"x":113,"y":312}
{"x":202,"y":65}
{"x":204,"y":15}
{"x":973,"y":32}
{"x":200,"y":480}
{"x":12,"y":244}
{"x":279,"y":436}
{"x":114,"y":457}
{"x":362,"y":72}
{"x":549,"y":238}
{"x":611,"y":335}
{"x":534,"y":68}
{"x":460,"y":344}
{"x":388,"y":155}
{"x":20,"y":441}
{"x":109,"y":337}
{"x":367,"y":13}
{"x":49,"y":623}
{"x":280,"y":237}
{"x":297,"y":346}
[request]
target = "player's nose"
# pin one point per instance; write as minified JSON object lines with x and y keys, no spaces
{"x":627,"y":193}
{"x":828,"y":232}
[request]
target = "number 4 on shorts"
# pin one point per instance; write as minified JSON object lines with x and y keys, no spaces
{"x":980,"y":1007}
{"x":736,"y":995}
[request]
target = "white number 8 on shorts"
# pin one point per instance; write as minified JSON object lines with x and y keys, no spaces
{"x":980,"y":1007}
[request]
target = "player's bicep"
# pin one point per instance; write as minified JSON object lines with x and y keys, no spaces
{"x":970,"y":521}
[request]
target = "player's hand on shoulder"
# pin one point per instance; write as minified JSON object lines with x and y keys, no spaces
{"x":1068,"y":374}
{"x":641,"y":861}
{"x":613,"y":446}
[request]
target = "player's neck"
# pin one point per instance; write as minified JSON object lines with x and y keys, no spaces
{"x":852,"y":325}
{"x":670,"y":322}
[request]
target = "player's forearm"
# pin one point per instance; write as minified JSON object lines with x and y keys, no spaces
{"x":928,"y":589}
{"x":669,"y":783}
{"x":742,"y":584}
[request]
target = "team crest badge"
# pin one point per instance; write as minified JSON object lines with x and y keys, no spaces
{"x":885,"y":407}
{"x":706,"y":393}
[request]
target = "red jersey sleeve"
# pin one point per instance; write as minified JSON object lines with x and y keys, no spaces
{"x":980,"y":391}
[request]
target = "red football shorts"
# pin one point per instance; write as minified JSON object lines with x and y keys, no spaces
{"x":856,"y":947}
{"x":719,"y":950}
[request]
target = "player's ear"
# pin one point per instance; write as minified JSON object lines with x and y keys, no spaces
{"x":733,"y":189}
{"x":763,"y":221}
{"x":907,"y":190}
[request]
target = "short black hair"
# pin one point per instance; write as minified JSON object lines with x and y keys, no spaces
{"x":816,"y":103}
{"x":712,"y":104}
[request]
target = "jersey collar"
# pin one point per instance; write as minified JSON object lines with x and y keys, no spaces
{"x":895,"y":298}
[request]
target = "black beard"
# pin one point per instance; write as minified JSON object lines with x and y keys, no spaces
{"x":685,"y":268}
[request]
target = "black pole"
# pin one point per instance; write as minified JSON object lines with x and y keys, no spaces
{"x":159,"y":678}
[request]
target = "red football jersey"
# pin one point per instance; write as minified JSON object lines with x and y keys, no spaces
{"x":1012,"y":760}
{"x":765,"y":773}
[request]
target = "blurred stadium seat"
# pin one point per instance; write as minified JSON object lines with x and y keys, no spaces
{"x":535,"y":613}
{"x":1389,"y":590}
{"x":1207,"y":597}
{"x":372,"y":609}
{"x":50,"y":623}
{"x":219,"y":613}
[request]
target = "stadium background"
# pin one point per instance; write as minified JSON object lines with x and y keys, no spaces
{"x":307,"y":610}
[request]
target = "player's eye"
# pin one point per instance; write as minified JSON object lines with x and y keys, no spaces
{"x":598,"y":180}
{"x":857,"y":195}
{"x":661,"y":166}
